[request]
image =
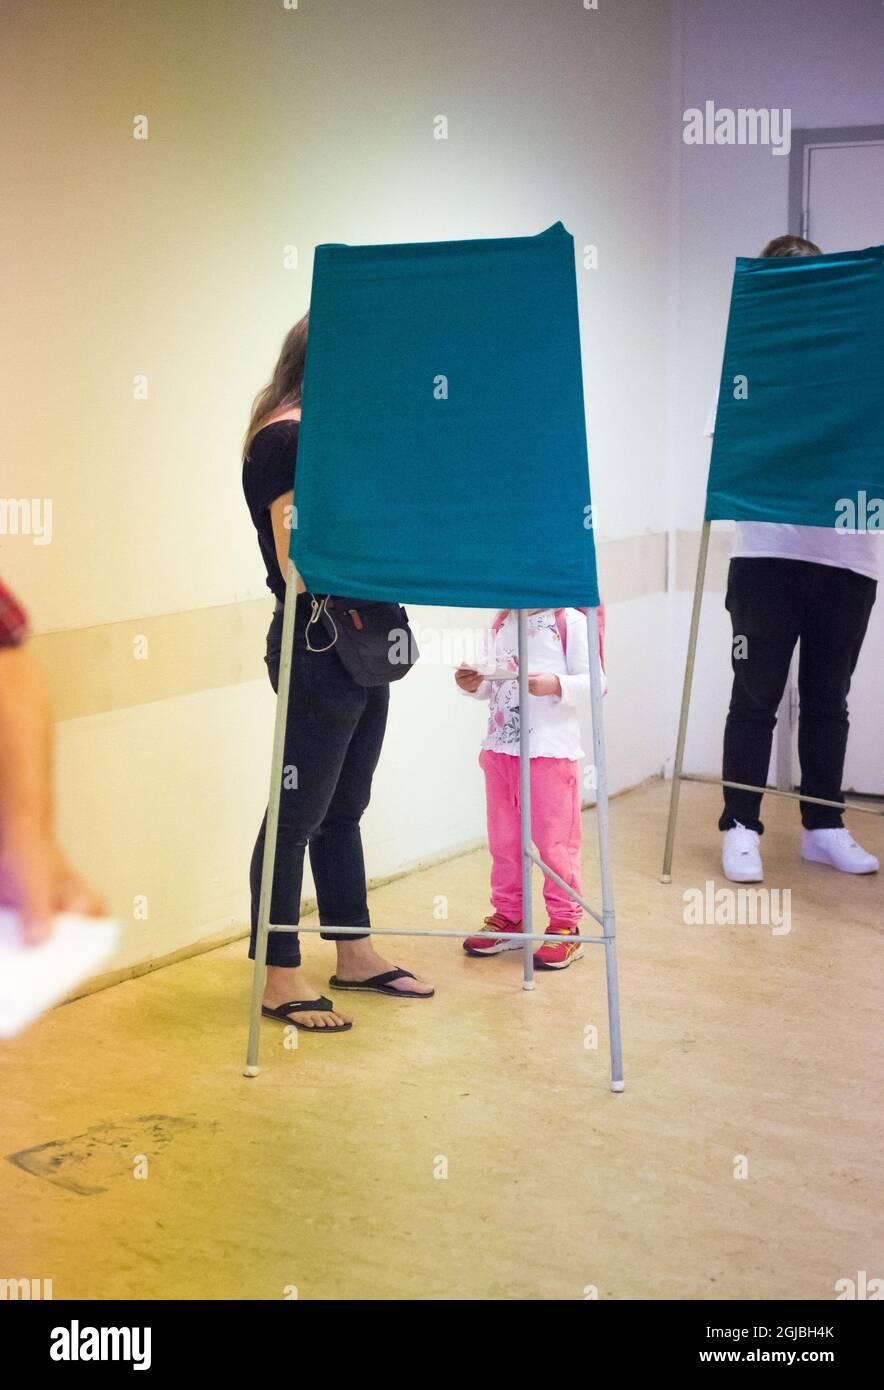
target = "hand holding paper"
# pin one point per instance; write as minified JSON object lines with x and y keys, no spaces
{"x":32,"y":978}
{"x":478,"y":674}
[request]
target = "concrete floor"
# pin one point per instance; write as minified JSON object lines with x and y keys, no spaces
{"x":319,"y":1175}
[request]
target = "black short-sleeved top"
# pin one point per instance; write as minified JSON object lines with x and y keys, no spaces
{"x":269,"y":471}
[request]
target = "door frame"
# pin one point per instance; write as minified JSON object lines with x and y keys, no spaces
{"x":803,"y":141}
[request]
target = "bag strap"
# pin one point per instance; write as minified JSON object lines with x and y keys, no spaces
{"x":563,"y":630}
{"x":499,"y":621}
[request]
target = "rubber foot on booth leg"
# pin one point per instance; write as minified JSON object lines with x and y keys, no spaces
{"x":251,"y":1071}
{"x":618,"y":1086}
{"x":666,"y":878}
{"x":527,"y":984}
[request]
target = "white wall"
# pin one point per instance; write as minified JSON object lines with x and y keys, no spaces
{"x":268,"y":128}
{"x":274,"y":127}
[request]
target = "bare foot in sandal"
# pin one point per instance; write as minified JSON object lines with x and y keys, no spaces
{"x":359,"y":965}
{"x":289,"y":985}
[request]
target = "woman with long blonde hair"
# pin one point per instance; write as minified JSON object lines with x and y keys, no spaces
{"x":334,"y":733}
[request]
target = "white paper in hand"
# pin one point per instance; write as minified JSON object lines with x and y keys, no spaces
{"x":32,"y":978}
{"x":490,"y":671}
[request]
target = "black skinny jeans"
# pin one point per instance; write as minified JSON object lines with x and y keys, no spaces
{"x":334,"y":733}
{"x":773,"y":604}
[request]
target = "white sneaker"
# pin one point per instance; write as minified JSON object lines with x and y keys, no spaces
{"x":740,"y":855}
{"x":838,"y":848}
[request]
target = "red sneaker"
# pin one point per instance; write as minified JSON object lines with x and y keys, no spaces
{"x":562,"y":952}
{"x":482,"y":945}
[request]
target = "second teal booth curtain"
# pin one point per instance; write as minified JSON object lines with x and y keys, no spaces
{"x":442,"y":460}
{"x":799,"y":430}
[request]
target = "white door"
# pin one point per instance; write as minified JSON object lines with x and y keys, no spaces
{"x":844,"y":211}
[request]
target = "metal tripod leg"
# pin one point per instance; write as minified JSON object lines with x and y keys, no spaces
{"x":685,"y":702}
{"x":272,"y":826}
{"x":608,"y":920}
{"x":525,"y":800}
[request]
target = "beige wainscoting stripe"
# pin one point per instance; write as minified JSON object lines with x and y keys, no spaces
{"x":686,"y":550}
{"x":92,"y":670}
{"x":632,"y":567}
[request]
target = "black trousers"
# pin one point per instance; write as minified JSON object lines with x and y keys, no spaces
{"x":774,"y":604}
{"x":334,"y":733}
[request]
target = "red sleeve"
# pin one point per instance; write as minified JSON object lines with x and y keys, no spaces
{"x":13,"y":619}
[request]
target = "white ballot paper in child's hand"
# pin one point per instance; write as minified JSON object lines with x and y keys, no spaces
{"x":491,"y":673}
{"x":33,"y":978}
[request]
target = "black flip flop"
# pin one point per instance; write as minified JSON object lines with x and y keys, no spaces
{"x":302,"y":1006}
{"x":382,"y":984}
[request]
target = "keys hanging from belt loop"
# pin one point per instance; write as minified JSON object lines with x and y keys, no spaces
{"x":316,"y":612}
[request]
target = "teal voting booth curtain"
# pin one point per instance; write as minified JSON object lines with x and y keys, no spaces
{"x":800,"y":422}
{"x":442,"y":451}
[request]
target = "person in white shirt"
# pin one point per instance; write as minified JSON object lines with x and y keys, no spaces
{"x":816,"y":585}
{"x":559,"y":676}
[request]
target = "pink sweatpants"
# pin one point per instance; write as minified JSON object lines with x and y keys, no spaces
{"x":555,"y":830}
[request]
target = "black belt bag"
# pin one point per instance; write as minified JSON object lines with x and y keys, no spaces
{"x":373,"y":640}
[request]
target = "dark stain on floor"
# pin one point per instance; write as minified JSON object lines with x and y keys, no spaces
{"x":88,"y":1162}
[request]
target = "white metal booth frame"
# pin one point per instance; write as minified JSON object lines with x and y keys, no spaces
{"x":605,"y":918}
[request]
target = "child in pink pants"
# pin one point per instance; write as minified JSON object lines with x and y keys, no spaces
{"x":559,"y":676}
